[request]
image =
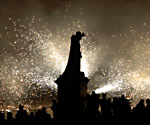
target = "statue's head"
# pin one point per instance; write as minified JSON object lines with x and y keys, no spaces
{"x":79,"y":35}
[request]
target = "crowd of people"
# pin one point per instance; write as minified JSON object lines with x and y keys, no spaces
{"x":99,"y":107}
{"x":22,"y":114}
{"x":116,"y":108}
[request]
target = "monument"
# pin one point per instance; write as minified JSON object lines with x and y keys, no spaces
{"x":72,"y":84}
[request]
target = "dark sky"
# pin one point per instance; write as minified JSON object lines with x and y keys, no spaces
{"x":116,"y":15}
{"x":102,"y":9}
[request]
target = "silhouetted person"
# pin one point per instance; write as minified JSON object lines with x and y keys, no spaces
{"x":147,"y":109}
{"x":42,"y":115}
{"x":140,"y":110}
{"x":31,"y":116}
{"x":9,"y":116}
{"x":38,"y":114}
{"x":55,"y":109}
{"x":45,"y":115}
{"x":106,"y":107}
{"x":109,"y":109}
{"x":124,"y":108}
{"x":93,"y":106}
{"x":21,"y":114}
{"x":115,"y":106}
{"x":2,"y":116}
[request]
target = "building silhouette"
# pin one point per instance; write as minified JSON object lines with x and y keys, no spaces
{"x":72,"y":85}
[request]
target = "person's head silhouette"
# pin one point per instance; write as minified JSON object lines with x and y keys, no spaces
{"x":20,"y":107}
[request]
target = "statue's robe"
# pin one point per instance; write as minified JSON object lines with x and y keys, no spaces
{"x":73,"y":66}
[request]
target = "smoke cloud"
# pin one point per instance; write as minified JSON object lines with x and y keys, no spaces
{"x":120,"y":28}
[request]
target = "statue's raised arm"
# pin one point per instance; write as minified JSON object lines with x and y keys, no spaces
{"x":79,"y":35}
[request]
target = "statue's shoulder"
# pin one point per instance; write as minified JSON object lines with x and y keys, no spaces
{"x":73,"y":37}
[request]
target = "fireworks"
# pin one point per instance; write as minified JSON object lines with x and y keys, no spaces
{"x":37,"y":54}
{"x":38,"y":57}
{"x":129,"y":74}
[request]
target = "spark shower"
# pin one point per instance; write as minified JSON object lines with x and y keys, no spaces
{"x":36,"y":55}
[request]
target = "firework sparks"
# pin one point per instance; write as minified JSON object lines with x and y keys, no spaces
{"x":129,"y":75}
{"x":39,"y":57}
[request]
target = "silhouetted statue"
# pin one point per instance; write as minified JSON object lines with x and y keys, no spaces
{"x":72,"y":84}
{"x":73,"y":66}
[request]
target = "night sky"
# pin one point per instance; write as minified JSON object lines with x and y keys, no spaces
{"x":35,"y":40}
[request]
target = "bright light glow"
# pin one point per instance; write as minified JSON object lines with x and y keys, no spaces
{"x":116,"y":86}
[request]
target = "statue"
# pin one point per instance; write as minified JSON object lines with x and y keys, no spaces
{"x":73,"y":66}
{"x":72,"y":84}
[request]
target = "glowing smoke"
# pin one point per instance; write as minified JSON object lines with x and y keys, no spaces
{"x":38,"y":57}
{"x":110,"y":87}
{"x":37,"y":54}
